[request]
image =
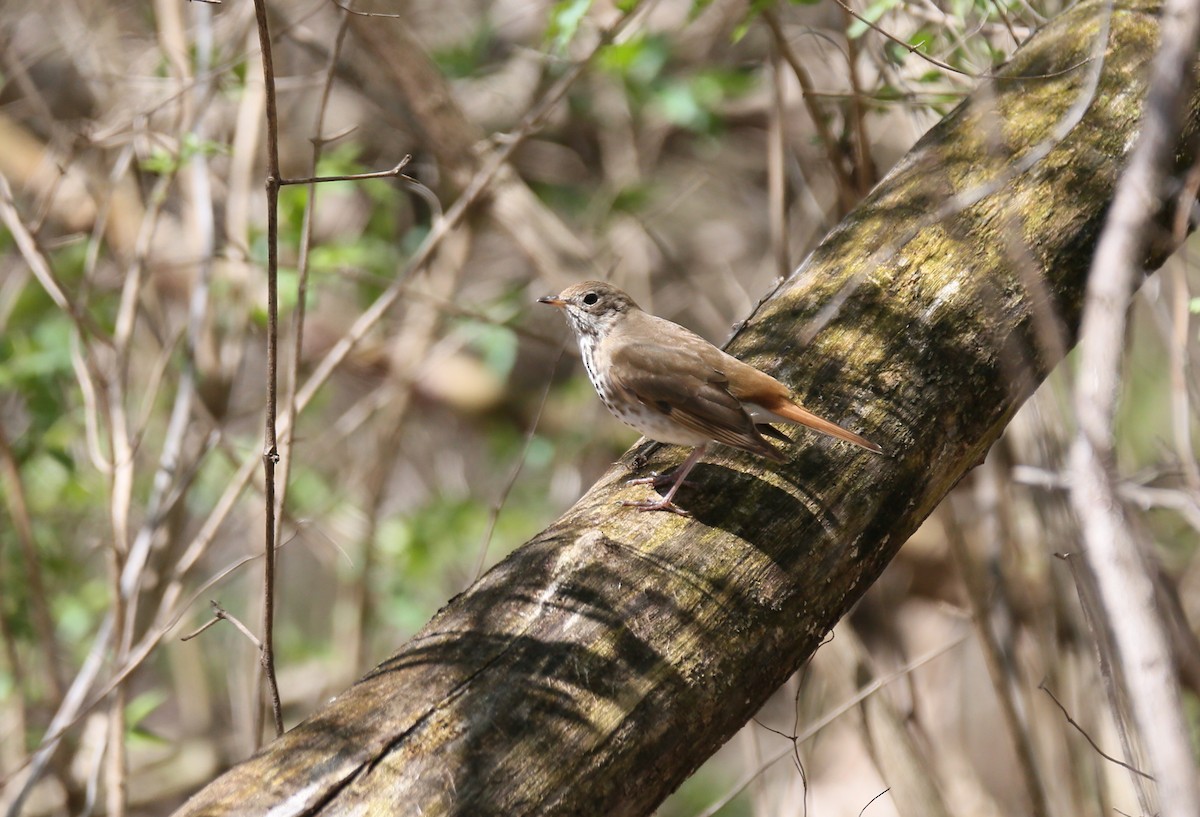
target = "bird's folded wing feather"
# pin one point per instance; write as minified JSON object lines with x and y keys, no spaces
{"x":677,"y":382}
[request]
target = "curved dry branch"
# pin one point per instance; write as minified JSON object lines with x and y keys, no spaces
{"x":601,"y":663}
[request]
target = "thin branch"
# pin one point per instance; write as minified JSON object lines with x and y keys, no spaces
{"x":912,"y":49}
{"x":39,"y":266}
{"x":353,"y":177}
{"x":809,"y":95}
{"x":1116,"y":551}
{"x":872,"y":800}
{"x":357,"y":13}
{"x":211,"y":622}
{"x":221,"y":614}
{"x":123,"y":442}
{"x":864,"y":174}
{"x":1109,"y":671}
{"x":1180,"y":333}
{"x":287,"y":448}
{"x":815,"y":727}
{"x":271,"y":449}
{"x":776,"y":178}
{"x":1067,"y":715}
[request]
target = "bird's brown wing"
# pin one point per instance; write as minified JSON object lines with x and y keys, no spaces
{"x":760,"y":389}
{"x":676,"y":381}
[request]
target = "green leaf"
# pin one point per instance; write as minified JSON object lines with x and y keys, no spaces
{"x":286,"y":283}
{"x":639,"y":60}
{"x":466,"y":58}
{"x":564,"y":21}
{"x":140,"y":708}
{"x":163,"y":162}
{"x":871,"y":14}
{"x":678,"y":104}
{"x":28,"y":359}
{"x":695,"y":102}
{"x":160,"y":162}
{"x":757,"y":7}
{"x":143,"y":705}
{"x":631,"y":198}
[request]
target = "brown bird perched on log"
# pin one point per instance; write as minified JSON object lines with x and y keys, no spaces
{"x":675,"y":387}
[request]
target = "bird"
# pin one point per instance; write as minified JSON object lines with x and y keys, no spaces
{"x":675,"y":387}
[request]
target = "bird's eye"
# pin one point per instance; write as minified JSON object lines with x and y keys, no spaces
{"x":590,"y":298}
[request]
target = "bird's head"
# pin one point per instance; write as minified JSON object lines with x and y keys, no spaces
{"x":592,"y":307}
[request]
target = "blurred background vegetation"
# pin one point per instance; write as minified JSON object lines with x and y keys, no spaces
{"x":694,"y":160}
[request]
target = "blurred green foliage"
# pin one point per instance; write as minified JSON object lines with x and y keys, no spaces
{"x":468,"y":56}
{"x":691,"y":98}
{"x":565,"y":18}
{"x":165,"y":162}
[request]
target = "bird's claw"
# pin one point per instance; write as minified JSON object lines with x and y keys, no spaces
{"x":656,"y":479}
{"x":655,"y":505}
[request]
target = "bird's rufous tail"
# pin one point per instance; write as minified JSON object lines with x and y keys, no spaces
{"x":793,"y":413}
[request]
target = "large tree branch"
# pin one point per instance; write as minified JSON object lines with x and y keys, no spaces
{"x":597,"y":666}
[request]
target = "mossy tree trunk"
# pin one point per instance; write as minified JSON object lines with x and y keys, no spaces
{"x":596,"y":667}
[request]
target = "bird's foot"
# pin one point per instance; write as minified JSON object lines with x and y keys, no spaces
{"x":655,"y":505}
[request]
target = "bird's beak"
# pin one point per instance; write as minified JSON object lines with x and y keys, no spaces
{"x":552,"y":300}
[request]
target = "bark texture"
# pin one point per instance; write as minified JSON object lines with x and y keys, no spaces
{"x":601,"y":663}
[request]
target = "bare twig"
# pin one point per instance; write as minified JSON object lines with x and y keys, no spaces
{"x":1115,"y":550}
{"x":203,"y":627}
{"x":39,"y":265}
{"x":1042,"y":686}
{"x":352,"y":177}
{"x":776,"y":178}
{"x":865,"y":692}
{"x":221,"y":614}
{"x":912,"y":49}
{"x":123,"y":442}
{"x":864,"y":175}
{"x":837,"y":166}
{"x":271,"y":448}
{"x":863,"y":810}
{"x":357,"y":13}
{"x":1109,"y":671}
{"x":286,"y":448}
{"x":302,"y":265}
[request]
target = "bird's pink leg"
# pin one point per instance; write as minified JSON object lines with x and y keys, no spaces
{"x":678,"y":476}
